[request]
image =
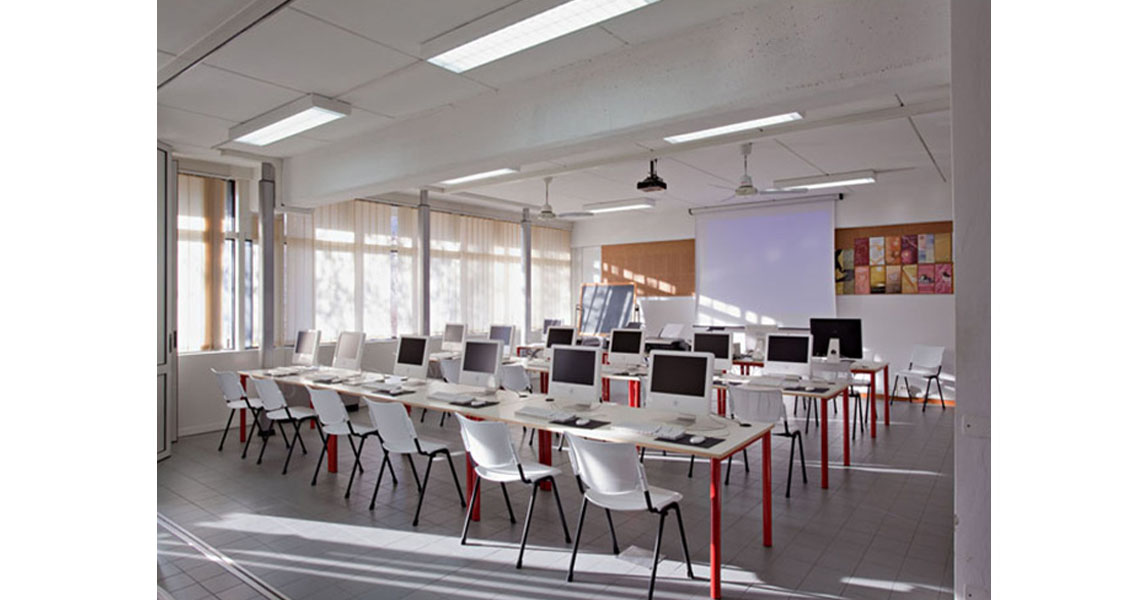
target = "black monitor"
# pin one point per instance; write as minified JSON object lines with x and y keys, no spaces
{"x":573,"y":365}
{"x":719,"y":344}
{"x":560,"y":335}
{"x":412,"y":350}
{"x":503,"y":333}
{"x":481,"y":357}
{"x":787,"y":349}
{"x":849,"y":332}
{"x":625,"y":342}
{"x":678,"y":374}
{"x":548,"y":323}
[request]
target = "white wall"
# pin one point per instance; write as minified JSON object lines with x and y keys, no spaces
{"x":891,"y":324}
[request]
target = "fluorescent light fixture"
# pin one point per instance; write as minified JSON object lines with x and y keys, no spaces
{"x":825,"y":181}
{"x":735,"y":127}
{"x":478,"y":176}
{"x":543,"y":27}
{"x":620,"y":205}
{"x":300,"y":115}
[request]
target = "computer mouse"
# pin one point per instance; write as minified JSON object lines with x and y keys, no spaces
{"x":696,"y":439}
{"x":581,"y":422}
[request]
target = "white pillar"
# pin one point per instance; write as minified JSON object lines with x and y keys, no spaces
{"x":526,"y":246}
{"x":267,"y":199}
{"x":425,"y":264}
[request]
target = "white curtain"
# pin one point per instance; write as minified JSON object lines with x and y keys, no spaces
{"x":297,"y":302}
{"x":476,"y":272}
{"x":201,"y":277}
{"x":551,"y":296}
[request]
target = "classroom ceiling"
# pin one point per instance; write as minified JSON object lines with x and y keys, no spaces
{"x":370,"y":54}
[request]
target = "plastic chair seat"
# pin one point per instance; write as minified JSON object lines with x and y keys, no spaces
{"x":633,"y":500}
{"x":532,"y":470}
{"x":409,"y":447}
{"x":236,"y":404}
{"x":917,"y":372}
{"x":342,"y":429}
{"x":297,"y":412}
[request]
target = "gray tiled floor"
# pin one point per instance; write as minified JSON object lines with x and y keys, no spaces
{"x":883,"y":530}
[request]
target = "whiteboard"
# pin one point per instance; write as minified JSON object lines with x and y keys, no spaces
{"x":658,"y":311}
{"x":605,"y":307}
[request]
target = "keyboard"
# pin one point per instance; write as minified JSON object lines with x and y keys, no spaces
{"x":542,"y":412}
{"x":386,"y":388}
{"x":451,"y":397}
{"x":671,"y":432}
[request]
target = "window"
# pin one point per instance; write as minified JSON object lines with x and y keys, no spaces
{"x":476,"y":272}
{"x":551,"y":296}
{"x":206,"y":264}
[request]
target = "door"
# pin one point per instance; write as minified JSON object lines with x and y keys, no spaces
{"x":167,"y":302}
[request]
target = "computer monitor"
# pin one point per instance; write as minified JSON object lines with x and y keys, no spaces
{"x":480,"y":364}
{"x":633,"y":325}
{"x":411,"y":357}
{"x":453,"y":336}
{"x":505,"y":334}
{"x":305,"y":350}
{"x":567,"y":336}
{"x":548,"y":323}
{"x":627,"y":347}
{"x":680,"y":382}
{"x":719,"y":344}
{"x":349,"y":352}
{"x":849,"y":332}
{"x":672,"y":330}
{"x":788,"y":354}
{"x":575,"y":374}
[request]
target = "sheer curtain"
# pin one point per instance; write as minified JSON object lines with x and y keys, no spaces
{"x":201,"y":241}
{"x":297,"y":302}
{"x":476,"y":272}
{"x":551,"y":296}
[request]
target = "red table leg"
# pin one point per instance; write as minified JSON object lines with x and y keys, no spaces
{"x":714,"y":528}
{"x":472,"y":498}
{"x":886,"y":396}
{"x":243,"y":378}
{"x":605,"y":389}
{"x":544,"y":453}
{"x":635,"y":393}
{"x":332,"y":453}
{"x":766,"y":445}
{"x":543,"y":381}
{"x":720,"y":394}
{"x":846,"y":431}
{"x":823,"y":442}
{"x":874,"y":412}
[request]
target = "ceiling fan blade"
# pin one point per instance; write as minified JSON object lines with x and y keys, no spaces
{"x":575,"y":215}
{"x":777,"y":192}
{"x":723,"y":187}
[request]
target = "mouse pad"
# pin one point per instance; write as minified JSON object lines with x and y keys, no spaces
{"x":467,"y":404}
{"x":593,"y":424}
{"x":708,"y":443}
{"x":810,"y":390}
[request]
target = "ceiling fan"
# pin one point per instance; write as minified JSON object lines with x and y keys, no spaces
{"x":547,"y":213}
{"x":746,"y":188}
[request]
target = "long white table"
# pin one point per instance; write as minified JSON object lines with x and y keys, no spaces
{"x":735,"y":436}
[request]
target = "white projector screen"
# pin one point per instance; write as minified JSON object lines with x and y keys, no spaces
{"x":766,"y":265}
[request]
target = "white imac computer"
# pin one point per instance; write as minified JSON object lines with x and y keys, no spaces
{"x":349,"y":352}
{"x":479,"y":366}
{"x":560,"y":335}
{"x":627,"y":347}
{"x":453,"y":336}
{"x":680,"y":382}
{"x":506,"y":335}
{"x":787,"y":354}
{"x":411,"y":357}
{"x":719,"y":344}
{"x":576,"y":374}
{"x":305,"y":351}
{"x":548,"y":323}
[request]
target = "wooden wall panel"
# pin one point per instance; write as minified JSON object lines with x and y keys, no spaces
{"x":656,"y":268}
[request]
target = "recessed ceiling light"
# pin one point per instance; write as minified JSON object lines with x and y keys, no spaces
{"x":620,"y":205}
{"x":825,"y":181}
{"x":543,"y":27}
{"x":478,"y":176}
{"x":735,"y":127}
{"x":288,"y":120}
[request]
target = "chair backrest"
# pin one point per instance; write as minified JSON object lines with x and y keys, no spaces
{"x":756,"y":405}
{"x":449,"y":367}
{"x":392,"y":423}
{"x":230,"y":384}
{"x":330,"y":408}
{"x":270,"y":394}
{"x":515,"y":378}
{"x":488,"y":443}
{"x":928,"y":357}
{"x":609,"y":468}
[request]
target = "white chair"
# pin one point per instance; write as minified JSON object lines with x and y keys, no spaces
{"x":278,"y":411}
{"x":332,"y":419}
{"x":925,"y":363}
{"x":398,"y":436}
{"x":516,"y":379}
{"x":496,"y":460}
{"x":611,"y":477}
{"x":233,"y":394}
{"x":756,"y":405}
{"x":449,"y":368}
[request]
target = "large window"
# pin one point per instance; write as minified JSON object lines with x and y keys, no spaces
{"x":207,"y":262}
{"x":476,"y":272}
{"x":551,"y":296}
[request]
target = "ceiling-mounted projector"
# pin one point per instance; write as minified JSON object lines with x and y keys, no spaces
{"x":653,"y":183}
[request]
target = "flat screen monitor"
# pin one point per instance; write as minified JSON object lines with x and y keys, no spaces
{"x":453,"y":336}
{"x":560,"y":335}
{"x":848,"y":331}
{"x":680,"y":382}
{"x":305,"y":350}
{"x":505,"y":334}
{"x":788,"y":354}
{"x":349,"y":352}
{"x":548,"y":323}
{"x":575,"y":374}
{"x":626,"y":347}
{"x":411,"y":357}
{"x":480,"y":363}
{"x":719,"y":344}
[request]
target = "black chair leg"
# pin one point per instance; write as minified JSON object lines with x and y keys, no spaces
{"x":226,"y":432}
{"x":284,"y":436}
{"x":894,"y":388}
{"x":470,"y":508}
{"x":656,"y":553}
{"x":455,"y":478}
{"x":415,"y":474}
{"x":289,"y":455}
{"x":355,"y":464}
{"x":561,"y":515}
{"x":264,"y":443}
{"x":746,"y":469}
{"x":791,"y":465}
{"x":249,"y":436}
{"x":380,"y":478}
{"x":324,"y":448}
{"x":684,"y":542}
{"x":906,"y":384}
{"x":423,"y":413}
{"x":423,"y":490}
{"x":526,"y":524}
{"x":727,"y":470}
{"x":926,"y":395}
{"x":578,"y":538}
{"x":692,"y":459}
{"x":442,"y":416}
{"x":803,"y":463}
{"x":613,"y":532}
{"x":642,"y":456}
{"x":507,"y":499}
{"x":943,"y":400}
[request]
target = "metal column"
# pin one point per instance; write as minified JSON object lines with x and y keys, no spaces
{"x":526,"y":247}
{"x":267,"y":200}
{"x":425,"y":264}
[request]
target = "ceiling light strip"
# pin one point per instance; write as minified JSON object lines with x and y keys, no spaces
{"x":825,"y":181}
{"x":735,"y":127}
{"x":285,"y":121}
{"x":478,"y":176}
